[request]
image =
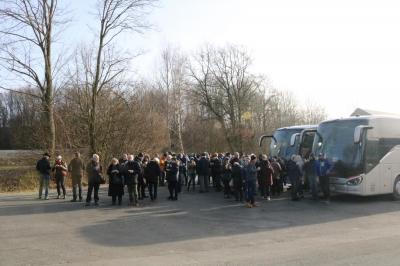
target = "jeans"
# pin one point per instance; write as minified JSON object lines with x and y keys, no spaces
{"x":44,"y":181}
{"x":60,"y":180}
{"x":172,"y":187}
{"x":250,"y":191}
{"x":192,"y":181}
{"x":153,"y":186}
{"x":133,"y":193}
{"x":203,"y":179}
{"x":76,"y":184}
{"x":91,"y":187}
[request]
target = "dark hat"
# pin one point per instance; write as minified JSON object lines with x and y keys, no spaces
{"x":46,"y":154}
{"x":253,"y":157}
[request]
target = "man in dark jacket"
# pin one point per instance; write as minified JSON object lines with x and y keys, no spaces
{"x":294,"y":174}
{"x":132,"y":171}
{"x":216,"y":167}
{"x":172,"y":170}
{"x":76,"y":167}
{"x":152,"y":174}
{"x":237,"y":176}
{"x":44,"y":169}
{"x":202,"y":169}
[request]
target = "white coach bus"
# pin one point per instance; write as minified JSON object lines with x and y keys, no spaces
{"x":364,"y":152}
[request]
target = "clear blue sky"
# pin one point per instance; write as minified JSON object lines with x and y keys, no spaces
{"x":341,"y":54}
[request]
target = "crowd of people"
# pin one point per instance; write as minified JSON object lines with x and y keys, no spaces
{"x":236,"y":175}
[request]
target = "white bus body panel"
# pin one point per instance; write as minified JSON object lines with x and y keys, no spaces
{"x":379,"y":180}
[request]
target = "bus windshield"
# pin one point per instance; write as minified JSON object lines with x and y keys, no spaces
{"x":336,"y":140}
{"x":281,"y":148}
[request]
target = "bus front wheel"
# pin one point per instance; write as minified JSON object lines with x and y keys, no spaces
{"x":396,"y":189}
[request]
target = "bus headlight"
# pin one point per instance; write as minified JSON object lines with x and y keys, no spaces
{"x":354,"y":181}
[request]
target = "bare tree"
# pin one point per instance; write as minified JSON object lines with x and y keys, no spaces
{"x":114,"y":17}
{"x":225,"y":85}
{"x":172,"y":80}
{"x":27,"y":37}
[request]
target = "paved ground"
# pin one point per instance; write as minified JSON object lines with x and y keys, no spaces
{"x":200,"y":229}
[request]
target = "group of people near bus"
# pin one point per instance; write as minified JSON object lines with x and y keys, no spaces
{"x":236,"y":175}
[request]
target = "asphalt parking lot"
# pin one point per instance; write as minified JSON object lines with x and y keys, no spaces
{"x":199,"y":229}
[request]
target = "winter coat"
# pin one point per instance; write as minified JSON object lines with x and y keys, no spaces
{"x":277,"y":170}
{"x":322,"y":167}
{"x":237,"y":173}
{"x":172,"y":170}
{"x":76,"y":167}
{"x":132,"y":171}
{"x":94,"y":172}
{"x":203,"y":166}
{"x":43,"y":166}
{"x":266,"y":171}
{"x":152,"y":171}
{"x":293,"y":170}
{"x":60,"y":169}
{"x":251,"y":172}
{"x":216,"y":166}
{"x":192,"y":168}
{"x":116,"y":180}
{"x":309,"y":168}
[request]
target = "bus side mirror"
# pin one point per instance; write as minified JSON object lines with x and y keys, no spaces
{"x":358,"y":131}
{"x":293,"y":139}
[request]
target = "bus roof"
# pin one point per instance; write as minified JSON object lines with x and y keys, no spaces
{"x":298,"y":127}
{"x":362,"y":117}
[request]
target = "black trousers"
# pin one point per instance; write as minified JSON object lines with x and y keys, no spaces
{"x":114,"y":199}
{"x":192,"y":181}
{"x":227,"y":188}
{"x":153,"y":187}
{"x":162,"y":178}
{"x":238,"y":187}
{"x":173,"y":189}
{"x":324,"y":182}
{"x":142,"y":188}
{"x":277,"y":187}
{"x":60,"y":180}
{"x":91,"y":187}
{"x":262,"y":183}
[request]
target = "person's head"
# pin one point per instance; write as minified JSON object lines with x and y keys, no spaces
{"x":204,"y":154}
{"x":46,"y":156}
{"x":264,"y":157}
{"x":114,"y":161}
{"x":253,"y":158}
{"x":321,"y":156}
{"x":246,"y":160}
{"x":96,"y":158}
{"x":125,"y":157}
{"x":157,"y":160}
{"x":59,"y":158}
{"x":237,"y":155}
{"x":293,"y":157}
{"x":169,"y":157}
{"x":130,"y":157}
{"x":77,"y":154}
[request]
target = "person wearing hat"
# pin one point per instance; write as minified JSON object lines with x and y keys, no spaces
{"x":76,"y":167}
{"x":60,"y":170}
{"x":44,"y":169}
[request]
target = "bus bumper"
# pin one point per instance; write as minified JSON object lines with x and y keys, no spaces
{"x":339,"y":185}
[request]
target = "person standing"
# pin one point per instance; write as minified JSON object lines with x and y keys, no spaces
{"x":251,"y":179}
{"x":202,"y":169}
{"x":192,"y":174}
{"x":237,"y":176}
{"x":76,"y":167}
{"x":227,"y":176}
{"x":294,"y":175}
{"x":152,"y":174}
{"x":116,"y":181}
{"x":132,"y":169}
{"x":163,"y":161}
{"x":60,"y":170}
{"x":94,"y":173}
{"x":322,"y":167}
{"x":172,"y":170}
{"x":44,"y":169}
{"x":265,"y":175}
{"x":277,"y":187}
{"x":311,"y":176}
{"x":216,"y":167}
